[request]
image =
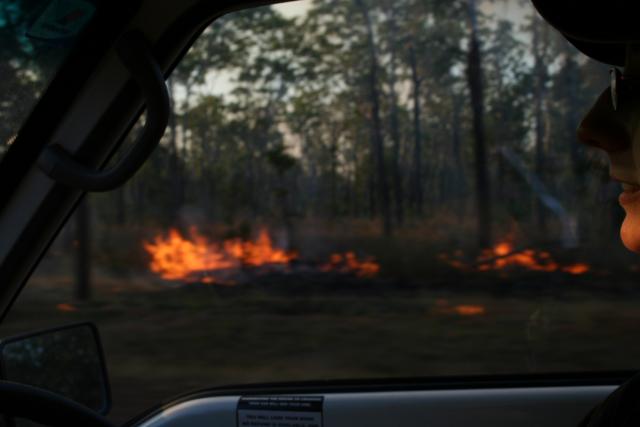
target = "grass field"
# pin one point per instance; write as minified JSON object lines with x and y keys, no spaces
{"x":161,"y":341}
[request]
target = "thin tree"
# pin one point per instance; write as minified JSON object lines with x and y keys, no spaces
{"x":539,"y":46}
{"x":417,"y":191}
{"x":474,"y":79}
{"x":394,"y":125}
{"x":82,"y":244}
{"x":377,"y":142}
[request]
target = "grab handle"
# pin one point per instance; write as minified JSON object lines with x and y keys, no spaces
{"x":135,"y":53}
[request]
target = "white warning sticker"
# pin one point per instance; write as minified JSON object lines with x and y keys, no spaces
{"x":280,"y":411}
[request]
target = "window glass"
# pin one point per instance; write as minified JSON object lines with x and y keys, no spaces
{"x":356,"y":189}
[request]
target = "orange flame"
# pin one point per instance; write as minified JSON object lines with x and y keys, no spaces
{"x":174,"y":257}
{"x":66,"y":307}
{"x":349,"y":263}
{"x":466,"y":310}
{"x":578,"y":268}
{"x":258,"y":253}
{"x":469,"y":310}
{"x":503,"y":255}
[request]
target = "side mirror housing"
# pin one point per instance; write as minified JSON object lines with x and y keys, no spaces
{"x":67,"y":360}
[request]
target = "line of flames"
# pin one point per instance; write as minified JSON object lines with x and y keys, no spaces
{"x":503,"y":256}
{"x":175,"y":257}
{"x":442,"y":306}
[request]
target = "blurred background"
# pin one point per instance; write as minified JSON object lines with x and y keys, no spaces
{"x":355,"y":189}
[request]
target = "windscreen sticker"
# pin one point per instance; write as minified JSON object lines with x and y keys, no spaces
{"x":280,"y":411}
{"x":62,"y":20}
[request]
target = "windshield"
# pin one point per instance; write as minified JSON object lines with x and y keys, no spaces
{"x":356,"y":189}
{"x":35,"y":36}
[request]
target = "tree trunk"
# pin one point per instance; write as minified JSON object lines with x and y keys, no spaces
{"x":119,"y":194}
{"x":207,"y":165}
{"x":474,"y":76}
{"x":572,"y":107}
{"x":186,"y":137}
{"x":459,"y":181}
{"x":456,"y":144}
{"x":138,"y":195}
{"x":175,"y":172}
{"x":371,"y":186}
{"x":417,"y":190}
{"x":394,"y":127}
{"x":333,"y":173}
{"x":501,"y":135}
{"x":538,"y":48}
{"x":377,"y":142}
{"x":82,"y":245}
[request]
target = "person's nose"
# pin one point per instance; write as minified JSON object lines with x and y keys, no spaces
{"x":603,"y":127}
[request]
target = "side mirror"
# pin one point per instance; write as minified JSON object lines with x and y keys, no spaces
{"x":67,"y":360}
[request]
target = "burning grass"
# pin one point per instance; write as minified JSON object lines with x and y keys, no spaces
{"x":176,"y":257}
{"x":198,"y":259}
{"x":66,"y":307}
{"x":504,"y":257}
{"x":349,"y":263}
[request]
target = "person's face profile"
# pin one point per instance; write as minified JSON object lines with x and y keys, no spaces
{"x":613,"y":125}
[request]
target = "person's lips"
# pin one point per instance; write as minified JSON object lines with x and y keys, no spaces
{"x":630,"y":193}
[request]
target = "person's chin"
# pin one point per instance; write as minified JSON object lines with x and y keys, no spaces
{"x":630,"y":230}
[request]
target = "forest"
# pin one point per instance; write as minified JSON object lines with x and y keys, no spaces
{"x":396,"y":113}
